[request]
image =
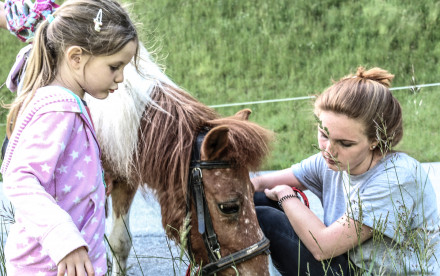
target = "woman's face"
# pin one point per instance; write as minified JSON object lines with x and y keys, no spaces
{"x":343,"y":143}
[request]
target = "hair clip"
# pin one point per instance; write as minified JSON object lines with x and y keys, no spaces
{"x":50,"y":18}
{"x":98,"y":21}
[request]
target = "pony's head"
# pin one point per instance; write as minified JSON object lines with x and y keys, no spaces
{"x":229,"y":192}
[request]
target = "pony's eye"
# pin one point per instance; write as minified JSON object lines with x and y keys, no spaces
{"x":229,"y":208}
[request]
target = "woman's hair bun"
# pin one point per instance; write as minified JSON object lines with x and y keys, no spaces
{"x":376,"y":74}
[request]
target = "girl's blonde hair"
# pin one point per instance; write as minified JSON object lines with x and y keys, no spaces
{"x":72,"y":25}
{"x":365,"y":96}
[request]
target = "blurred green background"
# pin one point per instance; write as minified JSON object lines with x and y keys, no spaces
{"x":238,"y":51}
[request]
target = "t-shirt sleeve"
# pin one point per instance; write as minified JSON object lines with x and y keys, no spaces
{"x":386,"y":203}
{"x":309,"y":173}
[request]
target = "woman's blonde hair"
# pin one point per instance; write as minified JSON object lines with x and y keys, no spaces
{"x":365,"y":96}
{"x":72,"y":25}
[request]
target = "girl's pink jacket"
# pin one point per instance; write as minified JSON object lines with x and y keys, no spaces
{"x":52,"y":174}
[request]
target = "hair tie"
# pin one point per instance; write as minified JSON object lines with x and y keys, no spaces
{"x":50,"y":18}
{"x":98,"y":21}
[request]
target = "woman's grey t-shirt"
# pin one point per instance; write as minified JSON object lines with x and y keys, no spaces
{"x":395,"y":198}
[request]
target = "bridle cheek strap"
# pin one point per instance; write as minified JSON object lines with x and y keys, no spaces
{"x":205,"y":227}
{"x":204,"y":221}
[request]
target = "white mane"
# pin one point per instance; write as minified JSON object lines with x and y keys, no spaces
{"x":117,"y":118}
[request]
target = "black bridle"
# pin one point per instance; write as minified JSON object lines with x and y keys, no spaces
{"x":205,"y":227}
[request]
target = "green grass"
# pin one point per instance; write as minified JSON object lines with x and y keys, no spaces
{"x":237,"y":51}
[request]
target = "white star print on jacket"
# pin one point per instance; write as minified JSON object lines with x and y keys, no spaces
{"x":55,"y":184}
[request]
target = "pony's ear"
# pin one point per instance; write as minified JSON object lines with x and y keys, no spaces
{"x":214,"y":143}
{"x":243,"y":114}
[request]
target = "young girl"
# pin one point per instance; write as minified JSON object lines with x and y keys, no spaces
{"x":380,"y":210}
{"x":52,"y":172}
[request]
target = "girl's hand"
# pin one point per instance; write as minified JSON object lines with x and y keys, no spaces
{"x":278,"y":192}
{"x":109,"y":182}
{"x":76,"y":263}
{"x":109,"y":189}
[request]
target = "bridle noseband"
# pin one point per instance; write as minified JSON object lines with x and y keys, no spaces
{"x":205,"y":227}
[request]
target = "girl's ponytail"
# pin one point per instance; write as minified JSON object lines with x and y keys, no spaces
{"x":40,"y":71}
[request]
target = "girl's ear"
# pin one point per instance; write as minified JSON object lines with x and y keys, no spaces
{"x":75,"y":57}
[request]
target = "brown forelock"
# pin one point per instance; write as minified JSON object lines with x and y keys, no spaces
{"x":249,"y":144}
{"x":166,"y":136}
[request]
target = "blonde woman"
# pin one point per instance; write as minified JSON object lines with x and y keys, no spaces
{"x":380,"y":211}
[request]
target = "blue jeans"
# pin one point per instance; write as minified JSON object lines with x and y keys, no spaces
{"x":289,"y":255}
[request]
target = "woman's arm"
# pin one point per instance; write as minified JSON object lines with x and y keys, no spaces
{"x":322,"y":241}
{"x":3,"y":16}
{"x":270,"y":180}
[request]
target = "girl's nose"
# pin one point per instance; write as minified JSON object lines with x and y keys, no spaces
{"x":120,"y":77}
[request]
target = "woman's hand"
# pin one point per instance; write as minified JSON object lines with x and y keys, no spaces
{"x":278,"y":192}
{"x":3,"y":24}
{"x":256,"y":181}
{"x":273,"y":179}
{"x":76,"y":263}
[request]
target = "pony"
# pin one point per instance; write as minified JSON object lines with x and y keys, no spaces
{"x":148,"y":130}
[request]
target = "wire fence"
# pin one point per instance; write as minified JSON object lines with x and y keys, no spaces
{"x":305,"y":97}
{"x":311,"y":97}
